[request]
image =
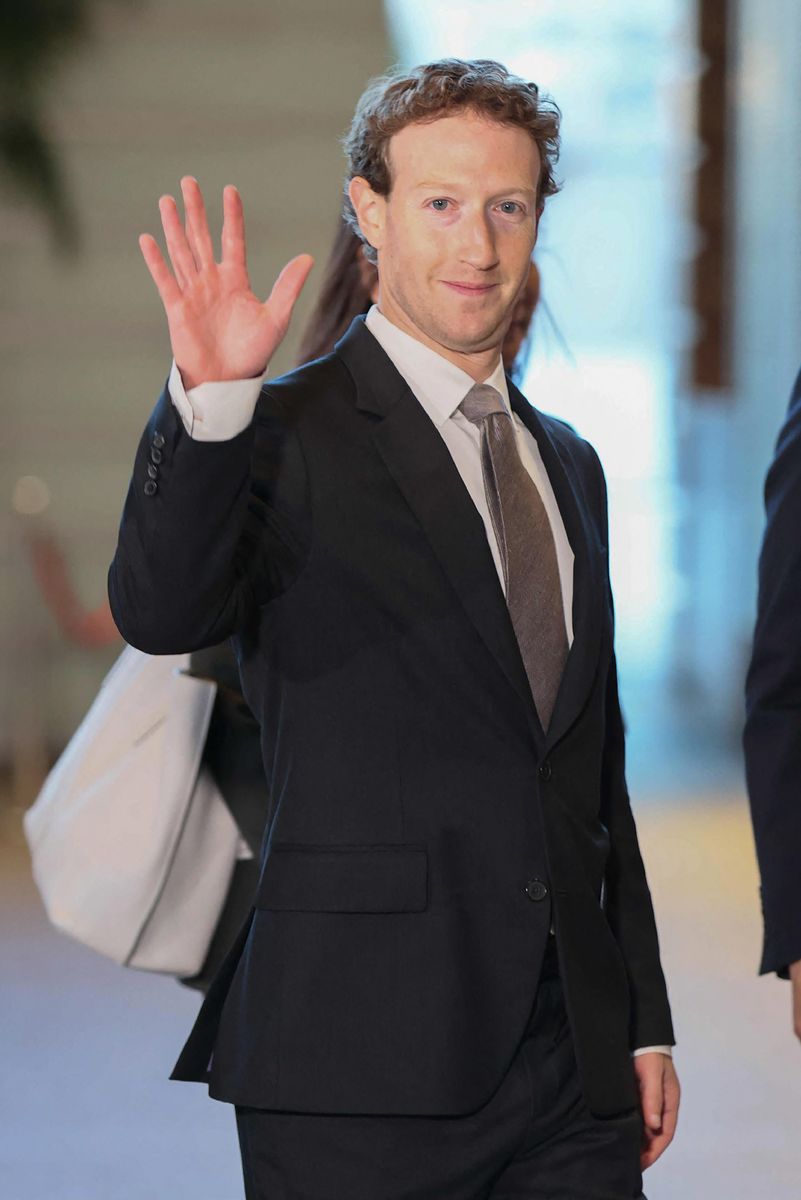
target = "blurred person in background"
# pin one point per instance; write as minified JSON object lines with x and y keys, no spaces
{"x":412,"y":561}
{"x":517,"y":343}
{"x":231,"y":751}
{"x":772,"y":737}
{"x":347,"y":289}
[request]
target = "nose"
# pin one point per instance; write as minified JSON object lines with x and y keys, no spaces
{"x":478,"y":247}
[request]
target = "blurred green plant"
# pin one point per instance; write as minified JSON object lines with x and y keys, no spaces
{"x":35,"y":37}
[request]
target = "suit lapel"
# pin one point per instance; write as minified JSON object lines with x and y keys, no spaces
{"x":588,"y":589}
{"x":421,"y":466}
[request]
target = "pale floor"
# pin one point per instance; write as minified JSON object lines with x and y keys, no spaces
{"x":87,"y":1113}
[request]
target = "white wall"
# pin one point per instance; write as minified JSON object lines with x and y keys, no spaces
{"x":248,"y":92}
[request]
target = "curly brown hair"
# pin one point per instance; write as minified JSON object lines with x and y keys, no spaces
{"x":439,"y":89}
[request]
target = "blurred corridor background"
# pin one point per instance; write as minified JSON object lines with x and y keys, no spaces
{"x":670,"y":335}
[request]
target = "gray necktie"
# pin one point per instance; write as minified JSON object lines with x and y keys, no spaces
{"x":528,"y":552}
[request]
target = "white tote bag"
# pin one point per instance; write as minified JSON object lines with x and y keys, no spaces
{"x":133,"y":847}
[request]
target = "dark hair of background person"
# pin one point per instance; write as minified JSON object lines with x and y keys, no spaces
{"x":440,"y":89}
{"x":516,"y":348}
{"x":346,"y":291}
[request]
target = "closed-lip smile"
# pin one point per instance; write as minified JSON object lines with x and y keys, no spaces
{"x":469,"y":289}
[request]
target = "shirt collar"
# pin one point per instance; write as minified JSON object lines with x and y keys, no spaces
{"x":438,"y":384}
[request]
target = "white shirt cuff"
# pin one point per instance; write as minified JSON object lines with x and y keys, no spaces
{"x":214,"y":412}
{"x":668,"y":1050}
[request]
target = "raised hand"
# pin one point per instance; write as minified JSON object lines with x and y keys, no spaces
{"x":218,"y":328}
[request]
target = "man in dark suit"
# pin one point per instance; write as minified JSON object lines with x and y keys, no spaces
{"x":772,"y":737}
{"x":450,"y":984}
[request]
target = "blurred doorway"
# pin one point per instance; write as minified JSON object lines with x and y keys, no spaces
{"x":612,"y":252}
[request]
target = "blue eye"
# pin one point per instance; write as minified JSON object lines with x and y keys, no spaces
{"x":439,"y":205}
{"x":510,"y":208}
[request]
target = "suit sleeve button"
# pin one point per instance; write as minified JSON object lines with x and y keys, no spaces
{"x":158,"y":440}
{"x":151,"y":487}
{"x":155,"y":454}
{"x":152,"y":470}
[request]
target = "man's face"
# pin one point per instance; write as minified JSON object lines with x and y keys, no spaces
{"x":455,"y":235}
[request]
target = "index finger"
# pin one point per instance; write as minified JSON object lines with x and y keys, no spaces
{"x":652,"y":1099}
{"x":670,"y":1110}
{"x":163,"y":278}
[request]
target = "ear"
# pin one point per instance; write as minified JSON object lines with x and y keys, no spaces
{"x":370,"y":209}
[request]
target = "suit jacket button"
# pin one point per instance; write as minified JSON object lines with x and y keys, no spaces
{"x":536,"y":889}
{"x":158,"y":440}
{"x":151,"y":487}
{"x":545,"y":772}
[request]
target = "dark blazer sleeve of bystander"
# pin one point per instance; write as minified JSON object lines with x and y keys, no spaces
{"x":772,"y":738}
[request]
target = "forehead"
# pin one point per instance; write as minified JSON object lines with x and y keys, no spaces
{"x":464,"y":148}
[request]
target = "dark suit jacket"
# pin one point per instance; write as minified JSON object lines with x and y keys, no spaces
{"x":421,"y":826}
{"x":773,"y":701}
{"x":232,"y":753}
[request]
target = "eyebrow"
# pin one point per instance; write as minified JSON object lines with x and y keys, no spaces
{"x":439,"y":185}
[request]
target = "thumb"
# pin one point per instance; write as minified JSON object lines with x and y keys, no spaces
{"x":287,"y":288}
{"x":797,"y":1005}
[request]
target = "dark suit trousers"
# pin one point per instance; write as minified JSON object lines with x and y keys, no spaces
{"x":535,"y":1139}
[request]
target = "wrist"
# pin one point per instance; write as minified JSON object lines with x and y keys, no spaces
{"x":216,"y":374}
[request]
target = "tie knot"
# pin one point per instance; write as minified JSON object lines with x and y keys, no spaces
{"x":482,"y":401}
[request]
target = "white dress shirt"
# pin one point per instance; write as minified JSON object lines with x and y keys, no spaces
{"x":215,"y":412}
{"x":440,"y":387}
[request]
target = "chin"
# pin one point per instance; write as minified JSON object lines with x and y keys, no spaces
{"x":468,"y":342}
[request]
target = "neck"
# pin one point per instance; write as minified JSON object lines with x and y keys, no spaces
{"x":478,"y":364}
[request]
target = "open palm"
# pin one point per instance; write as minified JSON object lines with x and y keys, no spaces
{"x":218,"y":328}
